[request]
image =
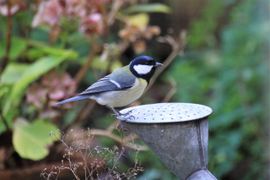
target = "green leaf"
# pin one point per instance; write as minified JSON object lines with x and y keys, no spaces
{"x":18,"y":45}
{"x":32,"y":73}
{"x":31,"y":141}
{"x":13,"y":72}
{"x":53,"y":51}
{"x":149,"y":8}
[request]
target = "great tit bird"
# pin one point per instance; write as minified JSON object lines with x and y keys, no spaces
{"x":122,"y":87}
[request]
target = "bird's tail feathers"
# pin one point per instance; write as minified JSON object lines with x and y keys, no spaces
{"x":72,"y":99}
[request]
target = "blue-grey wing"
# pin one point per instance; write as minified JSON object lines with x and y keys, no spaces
{"x":117,"y":81}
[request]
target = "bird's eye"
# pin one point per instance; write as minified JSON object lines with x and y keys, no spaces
{"x":149,"y":62}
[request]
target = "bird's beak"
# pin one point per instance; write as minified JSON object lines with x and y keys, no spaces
{"x":158,"y":64}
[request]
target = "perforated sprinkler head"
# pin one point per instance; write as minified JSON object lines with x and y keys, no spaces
{"x":177,"y":133}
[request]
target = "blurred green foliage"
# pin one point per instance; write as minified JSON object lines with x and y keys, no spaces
{"x":30,"y":74}
{"x":229,"y":75}
{"x":224,"y":66}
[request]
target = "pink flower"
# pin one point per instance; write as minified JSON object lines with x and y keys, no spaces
{"x":13,"y":10}
{"x":75,"y":8}
{"x":49,"y":13}
{"x":86,"y":12}
{"x":92,"y":24}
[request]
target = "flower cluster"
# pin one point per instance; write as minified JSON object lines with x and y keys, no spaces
{"x":52,"y":88}
{"x":89,"y":14}
{"x":9,"y":8}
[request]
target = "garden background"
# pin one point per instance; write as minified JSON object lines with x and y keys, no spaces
{"x":215,"y":53}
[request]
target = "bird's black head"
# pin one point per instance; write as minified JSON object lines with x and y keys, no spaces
{"x":143,"y":67}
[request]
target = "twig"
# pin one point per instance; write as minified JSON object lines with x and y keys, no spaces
{"x":79,"y":76}
{"x":115,"y":8}
{"x":113,"y":126}
{"x":130,"y":137}
{"x":86,"y":109}
{"x":123,"y":142}
{"x":8,"y":39}
{"x":4,"y":121}
{"x":171,"y":92}
{"x":177,"y":48}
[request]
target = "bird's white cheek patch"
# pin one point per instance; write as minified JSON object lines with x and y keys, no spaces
{"x":142,"y":69}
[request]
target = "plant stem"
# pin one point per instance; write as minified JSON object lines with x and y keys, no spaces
{"x":124,"y":142}
{"x":8,"y":40}
{"x":4,"y":121}
{"x":177,"y":48}
{"x":79,"y":76}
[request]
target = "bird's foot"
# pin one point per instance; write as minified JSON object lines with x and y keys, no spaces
{"x":125,"y":117}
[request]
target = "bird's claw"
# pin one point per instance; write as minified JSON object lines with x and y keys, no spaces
{"x":125,"y":117}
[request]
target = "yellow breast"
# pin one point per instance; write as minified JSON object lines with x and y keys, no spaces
{"x":123,"y":98}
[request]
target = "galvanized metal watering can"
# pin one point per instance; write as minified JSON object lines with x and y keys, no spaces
{"x":177,"y":133}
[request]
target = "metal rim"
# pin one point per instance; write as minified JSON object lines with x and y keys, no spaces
{"x":166,"y":113}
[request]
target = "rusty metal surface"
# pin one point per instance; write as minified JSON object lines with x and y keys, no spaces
{"x":166,"y":112}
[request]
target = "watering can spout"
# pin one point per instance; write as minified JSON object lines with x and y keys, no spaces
{"x":177,"y":133}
